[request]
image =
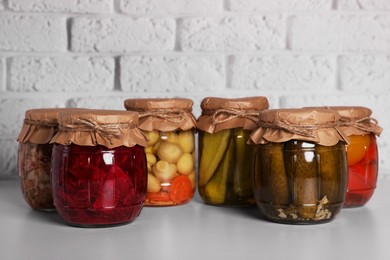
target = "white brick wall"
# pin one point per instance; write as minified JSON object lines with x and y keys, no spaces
{"x":96,"y":53}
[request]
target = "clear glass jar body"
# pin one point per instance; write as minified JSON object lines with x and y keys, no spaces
{"x":171,"y":167}
{"x":225,"y":168}
{"x":362,"y":153}
{"x":96,"y":186}
{"x":34,"y":163}
{"x":299,"y":182}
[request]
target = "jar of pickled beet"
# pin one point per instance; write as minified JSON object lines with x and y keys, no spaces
{"x":170,"y":152}
{"x":34,"y":156}
{"x":225,"y":159}
{"x":99,"y":173}
{"x":300,"y":169}
{"x":362,"y":153}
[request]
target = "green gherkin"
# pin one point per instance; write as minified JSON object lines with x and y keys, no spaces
{"x":332,"y":168}
{"x":215,"y":190}
{"x":212,"y":151}
{"x":271,"y":183}
{"x":301,"y":167}
{"x":242,"y":174}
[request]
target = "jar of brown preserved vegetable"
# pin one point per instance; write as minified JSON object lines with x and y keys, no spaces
{"x":170,"y":152}
{"x":99,"y":173}
{"x":362,"y":153}
{"x":225,"y":158}
{"x":34,"y":156}
{"x":300,"y":165}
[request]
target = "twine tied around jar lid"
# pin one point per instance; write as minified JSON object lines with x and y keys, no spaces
{"x":227,"y":113}
{"x":366,"y":124}
{"x":110,"y":128}
{"x":303,"y":130}
{"x":163,"y":114}
{"x":41,"y":124}
{"x":233,"y":114}
{"x":108,"y":131}
{"x":170,"y":115}
{"x":313,"y":125}
{"x":355,"y":120}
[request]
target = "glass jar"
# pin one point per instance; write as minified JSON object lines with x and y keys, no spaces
{"x":225,"y":159}
{"x":170,"y":152}
{"x":99,"y":172}
{"x":34,"y":156}
{"x":300,"y":167}
{"x":362,"y":153}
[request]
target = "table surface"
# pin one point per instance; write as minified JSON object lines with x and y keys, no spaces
{"x":195,"y":231}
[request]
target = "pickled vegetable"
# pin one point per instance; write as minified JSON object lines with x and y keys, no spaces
{"x":362,"y":176}
{"x":212,"y":150}
{"x":34,"y":175}
{"x":170,"y":155}
{"x":329,"y":167}
{"x":96,"y":186}
{"x":302,"y":177}
{"x":226,"y":162}
{"x":242,"y":173}
{"x":215,"y":190}
{"x":300,"y":182}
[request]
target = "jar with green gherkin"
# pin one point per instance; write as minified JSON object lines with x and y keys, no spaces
{"x":300,"y":165}
{"x":225,"y":159}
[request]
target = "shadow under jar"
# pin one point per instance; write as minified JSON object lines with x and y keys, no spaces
{"x":99,"y":168}
{"x":300,"y":166}
{"x":170,"y":152}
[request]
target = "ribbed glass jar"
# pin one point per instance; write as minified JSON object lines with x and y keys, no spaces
{"x":99,"y":169}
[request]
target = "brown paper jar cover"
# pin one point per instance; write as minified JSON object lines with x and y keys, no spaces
{"x":313,"y":125}
{"x":357,"y":120}
{"x":110,"y":128}
{"x":227,"y":113}
{"x":40,"y":125}
{"x":163,"y":114}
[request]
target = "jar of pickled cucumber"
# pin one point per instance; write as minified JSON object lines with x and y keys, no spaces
{"x":300,"y":167}
{"x":225,"y":159}
{"x":34,"y":156}
{"x":99,"y":174}
{"x":362,"y":153}
{"x":170,"y":152}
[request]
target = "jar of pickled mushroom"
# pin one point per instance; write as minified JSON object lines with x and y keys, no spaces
{"x":34,"y":156}
{"x":170,"y":152}
{"x":300,"y":167}
{"x":362,"y":153}
{"x":99,"y":173}
{"x":225,"y":159}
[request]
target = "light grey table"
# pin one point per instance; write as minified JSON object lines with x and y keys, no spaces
{"x":195,"y":231}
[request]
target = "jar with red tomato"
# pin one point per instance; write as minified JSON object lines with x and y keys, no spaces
{"x":99,"y":172}
{"x":362,"y":153}
{"x":170,"y":152}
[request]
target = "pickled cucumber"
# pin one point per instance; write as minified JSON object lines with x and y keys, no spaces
{"x":278,"y":176}
{"x":215,"y":190}
{"x":242,"y":174}
{"x":301,"y":168}
{"x":213,"y":149}
{"x":331,"y":165}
